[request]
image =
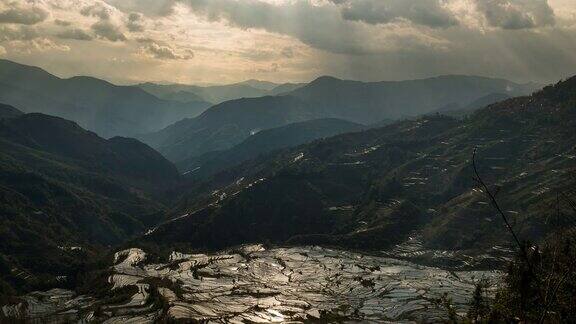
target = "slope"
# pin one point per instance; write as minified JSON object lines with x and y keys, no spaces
{"x":364,"y":102}
{"x":66,"y":193}
{"x":264,"y":142}
{"x":226,"y":125}
{"x":373,"y":189}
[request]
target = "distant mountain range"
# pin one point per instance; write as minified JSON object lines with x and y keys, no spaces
{"x":264,"y":142}
{"x":225,"y":125}
{"x":219,"y":93}
{"x":367,"y":102}
{"x":65,"y":193}
{"x":95,"y":104}
{"x":374,"y":189}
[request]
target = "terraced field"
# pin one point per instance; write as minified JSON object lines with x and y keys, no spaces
{"x":252,"y":284}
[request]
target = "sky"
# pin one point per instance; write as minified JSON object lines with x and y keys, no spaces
{"x":226,"y":41}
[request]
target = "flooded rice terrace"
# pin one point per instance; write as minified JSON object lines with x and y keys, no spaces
{"x":255,"y":285}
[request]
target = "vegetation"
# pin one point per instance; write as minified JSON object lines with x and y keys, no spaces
{"x":66,"y":194}
{"x":229,"y":123}
{"x":371,"y":189}
{"x":264,"y":142}
{"x":539,"y":283}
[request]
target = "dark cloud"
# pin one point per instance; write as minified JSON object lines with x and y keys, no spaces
{"x":431,"y":13}
{"x":23,"y":15}
{"x":135,"y":22}
{"x":75,"y":33}
{"x":106,"y":30}
{"x":517,"y":14}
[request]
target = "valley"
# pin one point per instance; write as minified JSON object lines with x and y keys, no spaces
{"x":298,"y":215}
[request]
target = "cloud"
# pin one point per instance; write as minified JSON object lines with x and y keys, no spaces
{"x":63,"y":23}
{"x":107,"y":30}
{"x":10,"y":33}
{"x":431,"y":13}
{"x":517,"y":14}
{"x":37,"y":45}
{"x":320,"y":26}
{"x":97,"y":10}
{"x":75,"y":33}
{"x":135,"y":22}
{"x":273,"y":68}
{"x":147,"y":7}
{"x":25,"y":15}
{"x":287,"y":52}
{"x":241,"y":39}
{"x":159,"y":51}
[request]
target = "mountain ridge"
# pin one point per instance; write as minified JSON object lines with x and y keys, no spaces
{"x":96,"y":104}
{"x":326,"y":97}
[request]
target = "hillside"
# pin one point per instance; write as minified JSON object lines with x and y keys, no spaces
{"x":264,"y":142}
{"x":66,"y":193}
{"x":371,"y":190}
{"x":7,"y":111}
{"x":226,"y":125}
{"x":364,"y":102}
{"x":461,"y":112}
{"x":107,"y":109}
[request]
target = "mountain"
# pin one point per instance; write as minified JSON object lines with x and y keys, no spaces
{"x":175,"y":92}
{"x":95,"y":104}
{"x":218,"y":94}
{"x":267,"y":141}
{"x":414,"y":178}
{"x":182,"y":96}
{"x":325,"y":97}
{"x":214,"y":94}
{"x":226,"y":125}
{"x":285,"y":88}
{"x":66,"y":193}
{"x":364,"y":102}
{"x":7,"y":111}
{"x":124,"y":157}
{"x":259,"y":84}
{"x":458,"y":111}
